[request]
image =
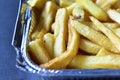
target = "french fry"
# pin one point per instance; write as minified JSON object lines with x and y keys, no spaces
{"x":90,"y":24}
{"x":111,"y":61}
{"x":103,"y":52}
{"x":105,"y":4}
{"x":71,"y":7}
{"x":89,"y":46}
{"x":64,"y":3}
{"x":114,"y":15}
{"x":118,"y":10}
{"x":111,"y":26}
{"x":117,"y":31}
{"x":117,"y":5}
{"x":82,"y":34}
{"x":78,"y":13}
{"x":100,"y":2}
{"x":60,"y":32}
{"x":63,"y":60}
{"x":46,"y":19}
{"x":113,"y":38}
{"x":93,"y":35}
{"x":53,"y":27}
{"x":37,"y":3}
{"x":49,"y":43}
{"x":93,"y":9}
{"x":37,"y":49}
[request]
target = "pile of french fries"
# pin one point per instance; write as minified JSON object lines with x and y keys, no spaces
{"x":81,"y":34}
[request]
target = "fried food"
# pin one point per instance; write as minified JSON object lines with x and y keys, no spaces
{"x":111,"y":61}
{"x":113,"y":38}
{"x":63,"y":60}
{"x":93,"y":35}
{"x":37,"y":49}
{"x":77,"y":34}
{"x":60,"y":31}
{"x":93,"y":9}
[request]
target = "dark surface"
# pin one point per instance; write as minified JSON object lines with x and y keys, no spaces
{"x":8,"y":70}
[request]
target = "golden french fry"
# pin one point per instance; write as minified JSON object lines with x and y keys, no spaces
{"x":89,"y":46}
{"x":103,"y":52}
{"x":60,"y":32}
{"x":46,"y":19}
{"x":114,"y":15}
{"x":78,"y":13}
{"x":93,"y":9}
{"x":100,"y":2}
{"x":37,"y":3}
{"x":91,"y":62}
{"x":118,"y":10}
{"x":64,"y":3}
{"x":117,"y":5}
{"x":71,"y":7}
{"x":117,"y":31}
{"x":93,"y":35}
{"x":37,"y":49}
{"x":90,"y":24}
{"x":111,"y":25}
{"x":105,"y":4}
{"x":63,"y":60}
{"x":61,"y":29}
{"x":53,"y":27}
{"x":49,"y":43}
{"x":107,"y":24}
{"x":113,"y":38}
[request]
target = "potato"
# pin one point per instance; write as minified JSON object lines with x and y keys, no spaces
{"x":113,"y":38}
{"x":77,"y":34}
{"x":60,"y":32}
{"x":114,"y":15}
{"x":63,"y":60}
{"x":117,"y":31}
{"x":103,"y":52}
{"x":105,"y":4}
{"x":71,"y":7}
{"x":49,"y":44}
{"x":37,"y":49}
{"x":64,"y":3}
{"x":110,"y":25}
{"x":89,"y":47}
{"x":118,"y":10}
{"x":117,"y":5}
{"x":78,"y":13}
{"x":111,"y":61}
{"x":93,"y":35}
{"x":46,"y":19}
{"x":93,"y":9}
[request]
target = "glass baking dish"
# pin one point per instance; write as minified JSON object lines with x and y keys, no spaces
{"x":20,"y":41}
